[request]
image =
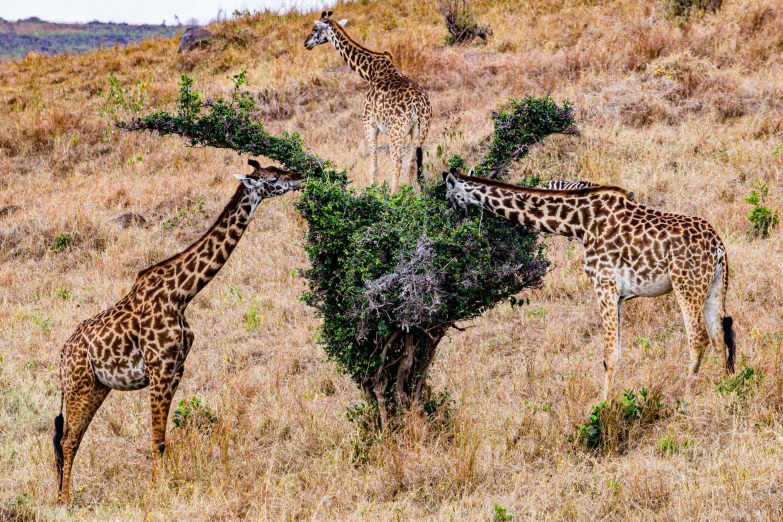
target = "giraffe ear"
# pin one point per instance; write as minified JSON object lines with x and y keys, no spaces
{"x":472,"y":172}
{"x":247,"y":181}
{"x":320,"y":25}
{"x":342,"y":23}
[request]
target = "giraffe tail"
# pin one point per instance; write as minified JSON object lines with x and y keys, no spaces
{"x":728,"y":322}
{"x":59,"y":424}
{"x":419,"y":165}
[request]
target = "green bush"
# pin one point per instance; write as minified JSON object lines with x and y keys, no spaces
{"x":761,"y":217}
{"x":390,"y":273}
{"x":611,"y":426}
{"x":193,"y":413}
{"x":742,"y":384}
{"x":519,"y":127}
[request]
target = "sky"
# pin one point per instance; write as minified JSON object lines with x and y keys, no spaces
{"x":142,"y":11}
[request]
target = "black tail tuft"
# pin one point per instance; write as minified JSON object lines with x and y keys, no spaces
{"x":728,"y":339}
{"x":59,"y":422}
{"x":419,"y":165}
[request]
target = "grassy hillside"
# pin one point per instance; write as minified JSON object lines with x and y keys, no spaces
{"x":33,"y":34}
{"x":685,"y":115}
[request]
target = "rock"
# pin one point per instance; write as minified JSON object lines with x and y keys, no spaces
{"x":193,"y":37}
{"x":8,"y":210}
{"x":130,"y":219}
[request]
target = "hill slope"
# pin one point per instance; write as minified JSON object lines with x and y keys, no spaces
{"x":686,"y":116}
{"x":33,"y":34}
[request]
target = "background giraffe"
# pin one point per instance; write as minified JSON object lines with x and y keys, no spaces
{"x":630,"y":251}
{"x":395,"y":104}
{"x":144,"y":339}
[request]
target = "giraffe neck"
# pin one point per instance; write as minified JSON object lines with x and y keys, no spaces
{"x":188,"y":272}
{"x":370,"y":65}
{"x":570,"y":213}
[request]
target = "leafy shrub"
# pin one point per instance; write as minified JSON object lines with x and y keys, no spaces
{"x":761,"y":217}
{"x":742,"y":384}
{"x":611,"y":426}
{"x":501,"y":514}
{"x":193,"y":413}
{"x":391,"y":273}
{"x":61,"y":242}
{"x":459,"y":22}
{"x":519,"y":127}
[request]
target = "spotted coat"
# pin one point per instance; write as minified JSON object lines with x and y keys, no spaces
{"x":395,"y":104}
{"x":144,"y":339}
{"x":630,"y":251}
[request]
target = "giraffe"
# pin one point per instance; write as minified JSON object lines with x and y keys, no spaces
{"x":395,"y":104}
{"x":143,"y":340}
{"x":564,"y":184}
{"x":630,"y":251}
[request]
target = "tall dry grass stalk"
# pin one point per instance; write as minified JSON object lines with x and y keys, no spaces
{"x":685,"y":115}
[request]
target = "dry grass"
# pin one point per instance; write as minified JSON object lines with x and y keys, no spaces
{"x":685,"y":116}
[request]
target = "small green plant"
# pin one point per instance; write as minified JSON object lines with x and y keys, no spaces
{"x":501,"y":514}
{"x":62,"y":241}
{"x":778,"y":149}
{"x":669,"y":446}
{"x":235,"y":292}
{"x":45,"y":324}
{"x":118,"y":96}
{"x":761,"y":217}
{"x":612,"y":425}
{"x":253,"y":318}
{"x":741,"y":385}
{"x":62,"y":293}
{"x":193,"y":413}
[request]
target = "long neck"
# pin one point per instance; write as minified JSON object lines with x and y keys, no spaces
{"x":566,"y":213}
{"x":368,"y":64}
{"x":193,"y":268}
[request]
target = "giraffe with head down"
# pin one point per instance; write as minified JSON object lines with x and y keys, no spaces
{"x":630,"y":251}
{"x":395,"y":104}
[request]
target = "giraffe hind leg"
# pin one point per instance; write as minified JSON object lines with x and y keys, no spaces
{"x":81,"y":404}
{"x":692,"y":305}
{"x":712,"y":318}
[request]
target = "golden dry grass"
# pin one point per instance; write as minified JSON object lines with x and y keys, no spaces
{"x":686,"y":117}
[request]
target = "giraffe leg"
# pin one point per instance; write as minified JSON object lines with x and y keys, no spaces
{"x":371,"y":139}
{"x":81,"y":404}
{"x":713,"y":317}
{"x":163,"y":386}
{"x":610,"y":317}
{"x":395,"y":148}
{"x":692,"y":306}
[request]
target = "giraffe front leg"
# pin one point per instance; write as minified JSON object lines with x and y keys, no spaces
{"x":395,"y":148}
{"x":371,"y":140}
{"x":610,"y":317}
{"x":161,"y":395}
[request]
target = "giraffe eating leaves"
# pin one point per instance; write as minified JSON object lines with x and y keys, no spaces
{"x":395,"y":104}
{"x":143,"y":340}
{"x":630,"y":251}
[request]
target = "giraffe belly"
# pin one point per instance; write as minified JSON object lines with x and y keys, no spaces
{"x":629,"y":284}
{"x":120,"y":372}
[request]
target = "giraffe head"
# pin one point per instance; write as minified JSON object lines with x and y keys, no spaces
{"x":267,"y":182}
{"x":322,"y":30}
{"x":457,"y":192}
